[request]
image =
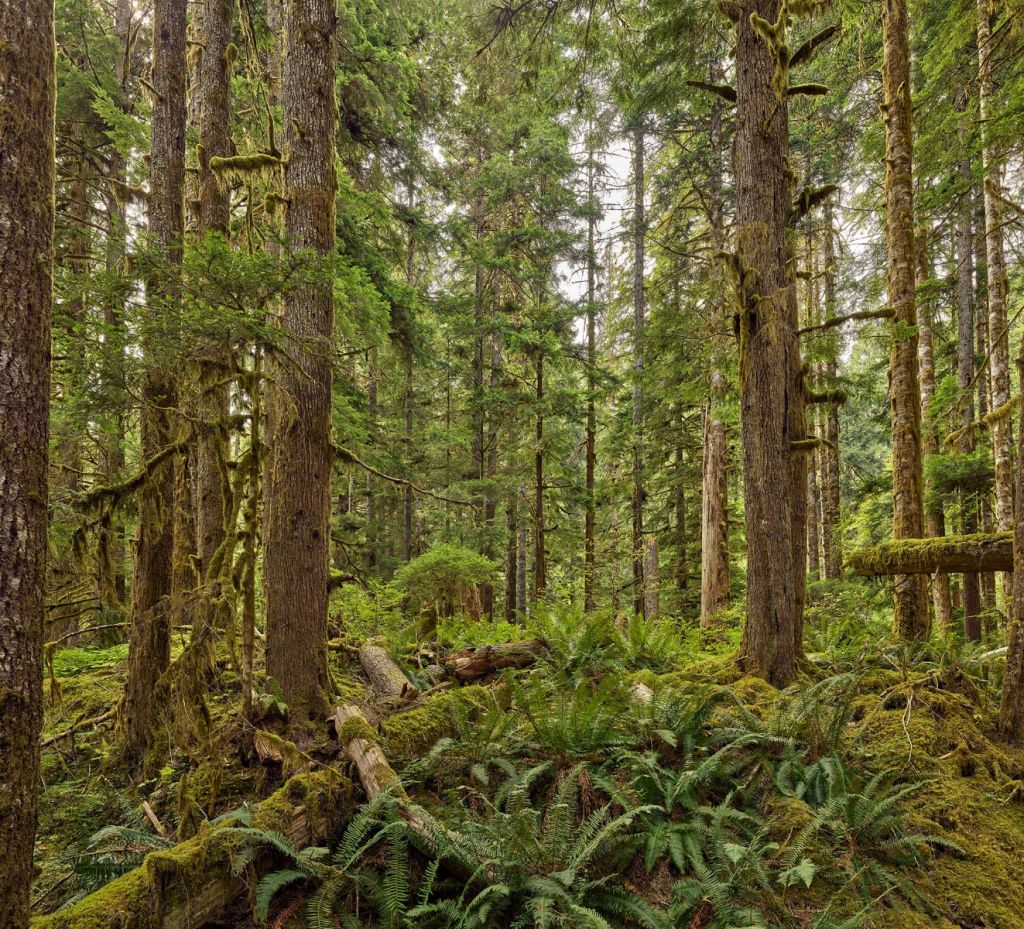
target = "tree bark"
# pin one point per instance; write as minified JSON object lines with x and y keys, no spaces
{"x":385,"y":676}
{"x":474,"y":663}
{"x":965,"y":379}
{"x":999,"y":342}
{"x":296,"y":558}
{"x":540,"y":569}
{"x":714,"y":531}
{"x":911,"y":619}
{"x":639,"y":314}
{"x":512,"y":560}
{"x":682,"y":573}
{"x":590,"y":517}
{"x":27,"y":76}
{"x":813,"y":493}
{"x":769,"y":355}
{"x":831,"y":534}
{"x":935,"y":519}
{"x":149,"y":651}
{"x":1011,"y":709}
{"x":652,"y":589}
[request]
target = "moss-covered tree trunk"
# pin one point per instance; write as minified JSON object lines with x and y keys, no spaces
{"x":590,"y":516}
{"x":812,"y":314}
{"x":149,"y":651}
{"x":540,"y":559}
{"x":769,"y":350}
{"x":911,"y":618}
{"x":935,"y":518}
{"x":297,"y":546}
{"x":831,"y":535}
{"x":639,"y":320}
{"x":998,"y":287}
{"x":28,"y":79}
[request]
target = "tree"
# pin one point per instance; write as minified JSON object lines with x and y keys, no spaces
{"x":911,"y":618}
{"x":298,"y":502}
{"x":27,"y":75}
{"x":150,"y":652}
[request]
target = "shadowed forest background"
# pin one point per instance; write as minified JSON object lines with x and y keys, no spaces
{"x":549,"y":464}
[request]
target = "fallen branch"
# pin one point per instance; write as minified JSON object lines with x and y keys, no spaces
{"x":474,"y":663}
{"x":77,"y":727}
{"x":957,"y":554}
{"x":85,"y":631}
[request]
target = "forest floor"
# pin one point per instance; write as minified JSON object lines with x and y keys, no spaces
{"x":871,"y":794}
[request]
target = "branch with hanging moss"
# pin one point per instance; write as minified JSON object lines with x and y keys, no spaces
{"x":77,"y":632}
{"x":78,"y":726}
{"x":951,"y":554}
{"x":808,"y":199}
{"x":807,"y":51}
{"x":349,"y":457}
{"x":114,"y":494}
{"x":807,"y":90}
{"x":832,"y":321}
{"x":725,"y":91}
{"x":984,"y":424}
{"x":836,"y":396}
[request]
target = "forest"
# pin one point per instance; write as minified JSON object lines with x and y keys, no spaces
{"x":523,"y":464}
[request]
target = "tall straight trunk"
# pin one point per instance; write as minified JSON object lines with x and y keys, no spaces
{"x":935,"y":519}
{"x":639,"y":313}
{"x":652,"y":590}
{"x":831,"y":535}
{"x":965,"y":380}
{"x":512,"y":561}
{"x":409,"y":502}
{"x":28,"y":79}
{"x":149,"y":651}
{"x":1011,"y":710}
{"x":714,"y":536}
{"x":770,"y":391}
{"x":540,"y":562}
{"x":813,"y":495}
{"x":682,"y":573}
{"x":998,"y":286}
{"x":296,"y":554}
{"x":521,"y":600}
{"x":372,"y":518}
{"x":213,"y":102}
{"x":491,"y":470}
{"x":590,"y":517}
{"x":911,"y":618}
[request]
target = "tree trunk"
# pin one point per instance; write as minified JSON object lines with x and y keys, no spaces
{"x":813,"y":497}
{"x":679,"y":505}
{"x":769,"y":355}
{"x":372,"y":518}
{"x":590,"y":517}
{"x":149,"y":652}
{"x":214,"y":105}
{"x":714,"y":534}
{"x":965,"y":378}
{"x":299,"y":520}
{"x":512,"y":561}
{"x":999,"y":342}
{"x":521,"y":603}
{"x":911,"y":619}
{"x":831,"y":536}
{"x":639,"y":313}
{"x":652,"y":591}
{"x":409,"y":503}
{"x":27,"y":76}
{"x":540,"y":569}
{"x":474,"y":663}
{"x":935,"y":519}
{"x":1011,"y":710}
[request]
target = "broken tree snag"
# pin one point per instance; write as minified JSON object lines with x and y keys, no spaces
{"x":385,"y":676}
{"x":359,"y":741}
{"x":955,"y":554}
{"x":474,"y":663}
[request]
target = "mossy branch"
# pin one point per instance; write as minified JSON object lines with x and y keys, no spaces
{"x":970,"y":554}
{"x":807,"y":90}
{"x":986,"y":422}
{"x":113,"y":495}
{"x":833,"y":321}
{"x":349,"y":457}
{"x":725,"y":91}
{"x":837,"y":396}
{"x":808,"y":199}
{"x":808,"y":50}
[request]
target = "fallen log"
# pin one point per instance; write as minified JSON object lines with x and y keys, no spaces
{"x":384,"y":675}
{"x":956,"y":554}
{"x":474,"y":663}
{"x":188,"y":885}
{"x":359,"y":741}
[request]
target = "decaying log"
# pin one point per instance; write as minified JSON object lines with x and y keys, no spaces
{"x":385,"y":676}
{"x":190,"y":884}
{"x":359,"y":741}
{"x":474,"y":663}
{"x":956,"y":554}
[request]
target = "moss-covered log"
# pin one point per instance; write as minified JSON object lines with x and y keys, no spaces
{"x":475,"y":663}
{"x":191,"y":884}
{"x":956,"y":554}
{"x":385,"y":676}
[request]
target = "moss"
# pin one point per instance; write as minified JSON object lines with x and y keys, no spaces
{"x":356,"y":728}
{"x":884,"y":558}
{"x":411,"y":733}
{"x":244,"y":168}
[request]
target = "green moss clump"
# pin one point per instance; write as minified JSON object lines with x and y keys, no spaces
{"x":356,"y":728}
{"x":408,"y":734}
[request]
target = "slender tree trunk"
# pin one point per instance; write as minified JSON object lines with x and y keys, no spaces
{"x":999,"y":341}
{"x":590,"y":518}
{"x":831,"y":535}
{"x":27,"y":76}
{"x":372,"y":517}
{"x":935,"y":519}
{"x":679,"y":504}
{"x":639,"y":313}
{"x":813,"y":499}
{"x":521,"y":600}
{"x":299,"y":520}
{"x":149,"y":652}
{"x":1011,"y":710}
{"x":409,"y":503}
{"x":214,"y":105}
{"x":652,"y":590}
{"x":911,"y":619}
{"x":714,"y":545}
{"x":769,"y":355}
{"x":540,"y":568}
{"x":512,"y":561}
